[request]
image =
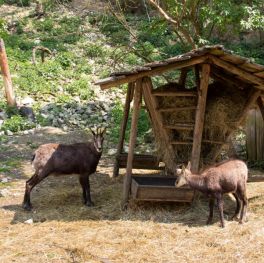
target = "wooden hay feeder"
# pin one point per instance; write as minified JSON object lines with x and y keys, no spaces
{"x":159,"y":188}
{"x":187,"y":122}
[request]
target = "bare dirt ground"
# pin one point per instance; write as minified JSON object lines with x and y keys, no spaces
{"x":64,"y":230}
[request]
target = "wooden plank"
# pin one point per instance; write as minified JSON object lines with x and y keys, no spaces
{"x":175,"y":109}
{"x":155,"y":116}
{"x":237,"y":71}
{"x":179,"y":127}
{"x":250,"y":135}
{"x":156,"y":64}
{"x":234,"y":59}
{"x":191,"y":142}
{"x":110,"y":79}
{"x":123,"y":128}
{"x":132,"y":140}
{"x":157,"y":188}
{"x":260,"y":74}
{"x":9,"y":91}
{"x":174,"y":93}
{"x":181,"y":142}
{"x":218,"y":74}
{"x":259,"y":136}
{"x":199,"y":118}
{"x":250,"y":102}
{"x":140,"y":161}
{"x":261,"y":106}
{"x":252,"y":67}
{"x":255,"y":179}
{"x":113,"y":82}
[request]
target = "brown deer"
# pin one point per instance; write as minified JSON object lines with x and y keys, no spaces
{"x":226,"y":177}
{"x":78,"y":158}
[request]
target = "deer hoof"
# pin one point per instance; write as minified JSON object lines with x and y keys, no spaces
{"x":89,"y":204}
{"x":27,"y":206}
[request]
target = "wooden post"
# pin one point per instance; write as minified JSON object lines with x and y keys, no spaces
{"x":155,"y":116}
{"x":199,"y":118}
{"x":183,"y":76}
{"x":9,"y":93}
{"x":123,"y":128}
{"x":261,"y":106}
{"x":132,"y":140}
{"x":250,"y":102}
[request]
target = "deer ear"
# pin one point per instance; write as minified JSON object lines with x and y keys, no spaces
{"x":183,"y":168}
{"x":189,"y":166}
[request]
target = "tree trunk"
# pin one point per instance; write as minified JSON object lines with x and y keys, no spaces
{"x":9,"y":92}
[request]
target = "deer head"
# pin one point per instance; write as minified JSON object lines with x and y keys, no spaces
{"x":98,"y":138}
{"x":183,"y":173}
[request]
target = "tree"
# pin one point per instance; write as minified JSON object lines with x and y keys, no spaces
{"x":195,"y":21}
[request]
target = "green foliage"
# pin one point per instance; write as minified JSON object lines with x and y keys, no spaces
{"x":117,"y":116}
{"x":254,"y":19}
{"x":80,"y":87}
{"x":16,"y":123}
{"x":18,"y":2}
{"x":95,"y":50}
{"x":3,"y":30}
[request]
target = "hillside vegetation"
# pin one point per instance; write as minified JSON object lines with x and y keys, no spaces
{"x":85,"y":46}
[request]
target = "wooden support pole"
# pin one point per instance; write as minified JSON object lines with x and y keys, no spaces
{"x":9,"y":92}
{"x":123,"y":128}
{"x":183,"y":76}
{"x":199,"y":118}
{"x":250,"y":102}
{"x":261,"y":106}
{"x":132,"y":140}
{"x":156,"y":117}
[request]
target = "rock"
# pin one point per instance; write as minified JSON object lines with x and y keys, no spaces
{"x":3,"y":115}
{"x":29,"y":221}
{"x":4,"y":192}
{"x":2,"y":133}
{"x":27,"y":112}
{"x":27,"y":101}
{"x":111,"y":152}
{"x":9,"y":133}
{"x":4,"y":180}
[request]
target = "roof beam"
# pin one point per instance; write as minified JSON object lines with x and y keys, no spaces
{"x":116,"y":81}
{"x":237,"y":71}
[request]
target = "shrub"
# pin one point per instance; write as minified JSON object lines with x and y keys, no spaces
{"x":17,"y":123}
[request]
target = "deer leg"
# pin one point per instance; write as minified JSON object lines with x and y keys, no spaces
{"x":211,"y":212}
{"x":238,"y":206}
{"x":243,"y":197}
{"x":30,"y":184}
{"x":85,"y":183}
{"x":220,"y":204}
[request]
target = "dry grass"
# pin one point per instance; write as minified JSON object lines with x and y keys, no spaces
{"x":66,"y":231}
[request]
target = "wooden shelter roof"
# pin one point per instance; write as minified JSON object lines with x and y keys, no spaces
{"x":226,"y":65}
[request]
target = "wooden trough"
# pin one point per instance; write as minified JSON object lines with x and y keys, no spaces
{"x":159,"y":188}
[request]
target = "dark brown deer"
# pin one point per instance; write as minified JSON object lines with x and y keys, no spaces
{"x":226,"y":177}
{"x":58,"y":159}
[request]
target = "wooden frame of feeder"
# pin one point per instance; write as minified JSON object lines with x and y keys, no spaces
{"x":209,"y":62}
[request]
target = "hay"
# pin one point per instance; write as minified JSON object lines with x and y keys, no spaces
{"x":224,"y":104}
{"x":146,"y":232}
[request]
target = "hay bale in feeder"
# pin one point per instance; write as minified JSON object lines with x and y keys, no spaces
{"x":224,"y":104}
